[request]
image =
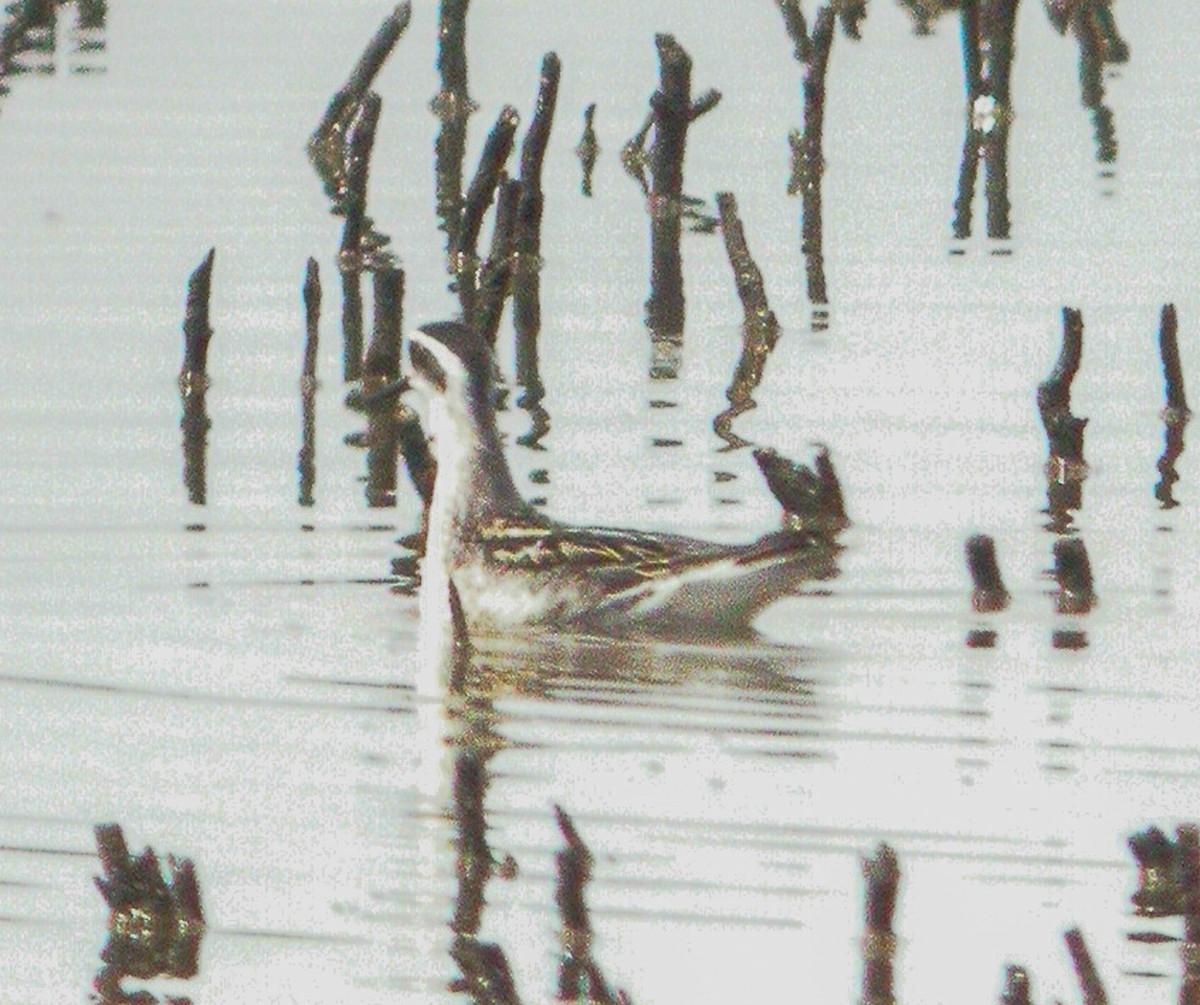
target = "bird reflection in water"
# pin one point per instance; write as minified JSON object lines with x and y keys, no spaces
{"x":154,"y":926}
{"x":469,"y":680}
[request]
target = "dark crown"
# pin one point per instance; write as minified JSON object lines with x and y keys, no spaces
{"x":465,"y":343}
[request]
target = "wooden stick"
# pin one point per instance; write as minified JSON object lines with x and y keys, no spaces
{"x":1168,"y":347}
{"x":882,"y":875}
{"x":1188,"y":843}
{"x":527,"y":235}
{"x":797,"y":29}
{"x":988,"y":593}
{"x":1073,"y":572}
{"x":306,"y":461}
{"x":1054,"y":393}
{"x":382,"y":365}
{"x":363,"y":74}
{"x":496,"y":273}
{"x":757,"y":316}
{"x":311,"y":293}
{"x":1016,"y":986}
{"x":588,"y":149}
{"x":479,"y":197}
{"x":453,"y":106}
{"x":1085,"y":970}
{"x":810,"y":157}
{"x":579,"y":977}
{"x":196,"y":329}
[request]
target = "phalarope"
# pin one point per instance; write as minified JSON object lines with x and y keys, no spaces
{"x":514,"y":568}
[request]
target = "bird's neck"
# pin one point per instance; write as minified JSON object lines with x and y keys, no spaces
{"x":473,"y":479}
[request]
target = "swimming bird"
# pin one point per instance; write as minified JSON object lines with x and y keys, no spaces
{"x":514,"y":568}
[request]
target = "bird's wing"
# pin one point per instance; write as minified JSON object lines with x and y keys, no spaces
{"x":619,"y":558}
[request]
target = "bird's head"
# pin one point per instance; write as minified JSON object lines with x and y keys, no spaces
{"x":448,"y":360}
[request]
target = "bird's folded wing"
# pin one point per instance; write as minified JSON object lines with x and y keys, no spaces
{"x":620,"y":559}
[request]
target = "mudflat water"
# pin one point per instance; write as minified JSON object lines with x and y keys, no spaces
{"x":238,"y":683}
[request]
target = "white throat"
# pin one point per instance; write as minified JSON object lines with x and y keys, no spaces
{"x":454,"y":448}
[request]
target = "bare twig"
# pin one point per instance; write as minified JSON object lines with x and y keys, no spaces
{"x":363,"y":74}
{"x":1085,"y":970}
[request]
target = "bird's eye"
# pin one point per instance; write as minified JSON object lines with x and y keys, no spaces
{"x":424,"y":363}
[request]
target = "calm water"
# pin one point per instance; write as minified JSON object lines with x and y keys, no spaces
{"x":238,"y":683}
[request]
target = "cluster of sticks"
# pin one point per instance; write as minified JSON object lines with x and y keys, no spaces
{"x":155,"y":926}
{"x":987,"y":33}
{"x":340,"y":149}
{"x":1170,"y":874}
{"x":30,"y":26}
{"x":808,"y":158}
{"x":1066,"y":470}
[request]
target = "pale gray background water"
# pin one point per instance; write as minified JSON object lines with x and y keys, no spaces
{"x":269,"y":730}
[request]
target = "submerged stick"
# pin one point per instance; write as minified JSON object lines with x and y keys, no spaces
{"x":479,"y":197}
{"x":673,"y":111}
{"x":24,"y":17}
{"x":634,"y":156}
{"x":381,"y":366}
{"x":496,"y":274}
{"x":986,"y":29}
{"x":473,"y":859}
{"x":196,"y":329}
{"x":579,"y":976}
{"x":311,"y":293}
{"x":486,"y":976}
{"x":1188,"y":843}
{"x":363,"y":74}
{"x":809,"y":159}
{"x":988,"y":593}
{"x":811,"y":498}
{"x":588,"y":149}
{"x":1085,"y":970}
{"x":1168,"y":346}
{"x":306,"y":461}
{"x":1090,"y":36}
{"x":797,"y":28}
{"x":1064,"y":431}
{"x":527,"y":235}
{"x":360,"y":142}
{"x":757,"y":316}
{"x":1073,"y":573}
{"x":1161,"y":885}
{"x":382,"y":361}
{"x":1016,"y":987}
{"x":452,"y":104}
{"x":193,"y":381}
{"x":882,"y":875}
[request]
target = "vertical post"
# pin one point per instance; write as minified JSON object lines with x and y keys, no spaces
{"x":193,"y":380}
{"x":882,"y":875}
{"x":306,"y":461}
{"x":382,"y":366}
